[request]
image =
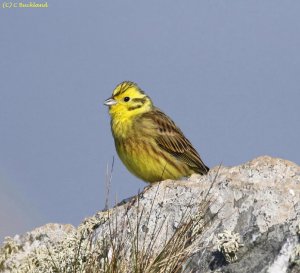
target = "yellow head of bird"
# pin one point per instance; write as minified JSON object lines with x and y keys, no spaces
{"x":128,"y":100}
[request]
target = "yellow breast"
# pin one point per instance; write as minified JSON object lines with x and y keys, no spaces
{"x":146,"y":160}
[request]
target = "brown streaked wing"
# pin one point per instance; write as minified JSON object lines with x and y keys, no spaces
{"x":170,"y":138}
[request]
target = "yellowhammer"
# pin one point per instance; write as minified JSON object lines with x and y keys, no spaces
{"x":148,"y":142}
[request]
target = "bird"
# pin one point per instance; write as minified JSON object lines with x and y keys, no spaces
{"x":147,"y":141}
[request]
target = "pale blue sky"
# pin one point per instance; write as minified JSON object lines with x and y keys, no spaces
{"x":227,"y":72}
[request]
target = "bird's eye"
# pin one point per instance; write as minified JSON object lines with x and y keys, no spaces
{"x":126,"y":99}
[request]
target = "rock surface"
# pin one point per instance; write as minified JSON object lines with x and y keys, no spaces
{"x":239,"y":219}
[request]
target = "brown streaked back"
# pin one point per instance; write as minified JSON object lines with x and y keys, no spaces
{"x":171,"y":139}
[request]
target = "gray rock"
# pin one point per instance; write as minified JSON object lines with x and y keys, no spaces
{"x":239,"y":219}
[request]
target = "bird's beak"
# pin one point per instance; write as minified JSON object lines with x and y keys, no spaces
{"x":110,"y":102}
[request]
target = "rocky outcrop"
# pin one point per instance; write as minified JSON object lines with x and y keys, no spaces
{"x":238,"y":219}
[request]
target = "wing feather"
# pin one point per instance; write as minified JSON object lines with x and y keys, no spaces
{"x":170,"y":138}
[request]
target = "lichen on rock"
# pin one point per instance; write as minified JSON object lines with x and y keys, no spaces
{"x":229,"y":243}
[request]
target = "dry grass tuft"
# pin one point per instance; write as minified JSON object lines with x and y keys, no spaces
{"x":121,"y":249}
